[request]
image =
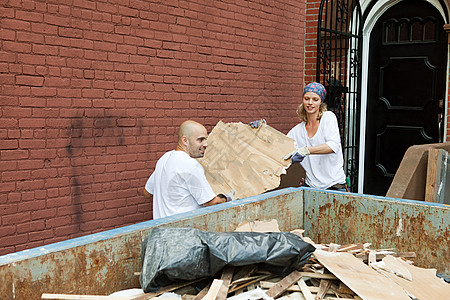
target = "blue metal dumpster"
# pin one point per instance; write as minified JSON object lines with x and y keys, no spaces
{"x":105,"y":262}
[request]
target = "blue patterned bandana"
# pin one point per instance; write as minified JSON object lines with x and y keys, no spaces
{"x":317,"y":88}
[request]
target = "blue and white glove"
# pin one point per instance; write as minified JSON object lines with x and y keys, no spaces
{"x":297,"y":158}
{"x":257,"y":123}
{"x":298,"y":155}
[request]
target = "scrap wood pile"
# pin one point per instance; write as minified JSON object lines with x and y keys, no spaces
{"x":347,"y":276}
{"x":332,"y":272}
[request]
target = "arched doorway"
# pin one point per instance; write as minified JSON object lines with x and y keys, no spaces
{"x":406,"y":80}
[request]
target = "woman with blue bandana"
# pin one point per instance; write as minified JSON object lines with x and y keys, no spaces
{"x":317,"y":135}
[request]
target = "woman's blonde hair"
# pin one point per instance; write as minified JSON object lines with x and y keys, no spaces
{"x":301,"y":112}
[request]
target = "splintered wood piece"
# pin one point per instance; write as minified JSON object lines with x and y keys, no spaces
{"x":372,"y":257}
{"x":436,"y":170}
{"x":351,"y":247}
{"x":77,"y":297}
{"x":318,"y":275}
{"x":284,"y":284}
{"x":424,"y":281}
{"x":343,"y":289}
{"x":269,"y":285}
{"x":245,"y":271}
{"x":333,"y":247}
{"x":305,"y":290}
{"x":203,"y":292}
{"x":214,"y":290}
{"x":226,"y":277}
{"x":364,"y":257}
{"x":165,"y":289}
{"x":244,"y":280}
{"x":323,"y":288}
{"x":395,"y":266}
{"x":294,"y":288}
{"x":258,"y":278}
{"x":355,"y":274}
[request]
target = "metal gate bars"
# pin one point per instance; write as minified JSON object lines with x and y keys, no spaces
{"x":338,"y":68}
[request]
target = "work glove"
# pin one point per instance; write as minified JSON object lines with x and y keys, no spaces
{"x":257,"y":123}
{"x":298,"y":155}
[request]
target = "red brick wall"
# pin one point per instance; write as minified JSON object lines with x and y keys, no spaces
{"x":92,"y":93}
{"x":312,"y":14}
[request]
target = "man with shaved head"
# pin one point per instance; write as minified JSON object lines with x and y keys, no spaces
{"x":178,"y":183}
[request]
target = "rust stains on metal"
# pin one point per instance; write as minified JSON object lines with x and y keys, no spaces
{"x":108,"y":264}
{"x":404,"y":225}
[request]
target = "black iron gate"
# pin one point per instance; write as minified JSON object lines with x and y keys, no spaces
{"x":339,"y":51}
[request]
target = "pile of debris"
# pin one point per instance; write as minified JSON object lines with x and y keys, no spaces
{"x":332,"y":272}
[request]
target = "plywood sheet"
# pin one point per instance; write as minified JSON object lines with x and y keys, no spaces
{"x":242,"y":161}
{"x":424,"y":284}
{"x":436,"y":182}
{"x":360,"y":278}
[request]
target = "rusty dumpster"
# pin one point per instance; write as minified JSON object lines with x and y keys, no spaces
{"x":105,"y":262}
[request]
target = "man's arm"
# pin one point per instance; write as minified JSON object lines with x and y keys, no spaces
{"x":146,"y":194}
{"x":214,"y":201}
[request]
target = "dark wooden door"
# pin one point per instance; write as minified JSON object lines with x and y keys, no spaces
{"x":406,"y":85}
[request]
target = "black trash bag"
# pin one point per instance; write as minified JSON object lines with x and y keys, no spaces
{"x":175,"y":254}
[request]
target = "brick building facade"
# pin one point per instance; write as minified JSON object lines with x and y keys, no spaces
{"x":92,"y":93}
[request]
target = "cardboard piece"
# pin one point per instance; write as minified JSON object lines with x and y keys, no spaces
{"x":242,"y":161}
{"x":258,"y":226}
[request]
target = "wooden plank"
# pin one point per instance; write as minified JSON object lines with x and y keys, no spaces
{"x":245,"y":279}
{"x":226,"y":277}
{"x":424,"y":284}
{"x":372,"y":257}
{"x":431,"y":175}
{"x":305,"y":290}
{"x":80,"y":297}
{"x":395,"y":266}
{"x":284,"y":284}
{"x":203,"y":292}
{"x":365,"y":257}
{"x":436,"y":175}
{"x":356,"y":275}
{"x":214,"y":290}
{"x":343,"y":289}
{"x":245,"y":271}
{"x":323,"y":289}
{"x":165,"y":289}
{"x":318,"y":275}
{"x":333,"y":247}
{"x":258,"y":278}
{"x":293,"y":288}
{"x":351,"y":247}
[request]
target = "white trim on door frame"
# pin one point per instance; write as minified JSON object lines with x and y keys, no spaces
{"x":375,"y":13}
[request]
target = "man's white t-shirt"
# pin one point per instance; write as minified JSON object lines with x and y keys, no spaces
{"x":178,"y":185}
{"x":322,"y":170}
